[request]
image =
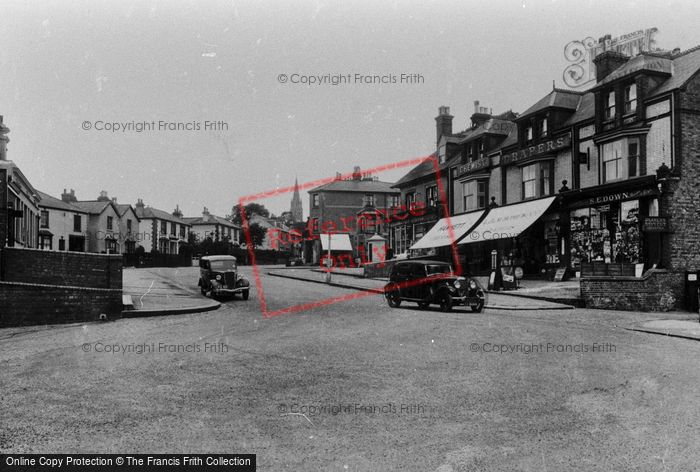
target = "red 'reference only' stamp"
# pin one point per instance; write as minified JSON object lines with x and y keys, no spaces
{"x":343,"y":226}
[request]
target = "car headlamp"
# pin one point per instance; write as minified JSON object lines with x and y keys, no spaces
{"x":218,"y":277}
{"x":472,"y":285}
{"x":458,"y":284}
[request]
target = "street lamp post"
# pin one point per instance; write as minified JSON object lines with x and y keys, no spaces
{"x":328,"y":260}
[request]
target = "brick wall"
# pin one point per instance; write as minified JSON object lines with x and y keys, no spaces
{"x":658,"y":290}
{"x":61,"y":268}
{"x":682,"y":197}
{"x":32,"y":304}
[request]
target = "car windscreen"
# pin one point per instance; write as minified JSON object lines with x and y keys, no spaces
{"x":223,"y":265}
{"x":433,"y":269}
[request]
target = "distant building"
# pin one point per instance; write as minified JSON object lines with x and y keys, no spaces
{"x":297,"y":209}
{"x":62,"y":226}
{"x":215,"y":227}
{"x":103,"y":219}
{"x":19,"y":210}
{"x":339,"y":206}
{"x":277,"y":233}
{"x":162,"y":231}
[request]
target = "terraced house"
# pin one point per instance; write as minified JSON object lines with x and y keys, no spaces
{"x":600,"y":184}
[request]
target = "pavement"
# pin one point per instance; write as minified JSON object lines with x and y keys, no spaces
{"x":686,"y":329}
{"x":157,"y":291}
{"x":353,"y":281}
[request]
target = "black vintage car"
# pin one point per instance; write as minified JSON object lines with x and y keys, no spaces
{"x":427,"y":282}
{"x":218,"y":275}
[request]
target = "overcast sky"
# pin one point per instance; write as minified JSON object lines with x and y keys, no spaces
{"x":66,"y":62}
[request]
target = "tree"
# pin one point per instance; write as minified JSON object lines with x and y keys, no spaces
{"x":257,"y":234}
{"x":250,"y":209}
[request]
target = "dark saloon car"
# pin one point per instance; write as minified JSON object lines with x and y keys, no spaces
{"x":432,"y":282}
{"x":218,"y":275}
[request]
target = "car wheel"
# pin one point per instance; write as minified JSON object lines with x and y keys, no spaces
{"x":423,"y":305}
{"x":246,"y":294}
{"x":479,"y":306}
{"x":393,"y":298}
{"x":445,"y":301}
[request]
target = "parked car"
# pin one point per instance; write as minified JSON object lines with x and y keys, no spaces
{"x":294,"y":261}
{"x":432,"y":282}
{"x":218,"y":275}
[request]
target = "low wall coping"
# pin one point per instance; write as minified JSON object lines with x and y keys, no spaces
{"x":624,"y":278}
{"x":44,"y":251}
{"x":70,"y":287}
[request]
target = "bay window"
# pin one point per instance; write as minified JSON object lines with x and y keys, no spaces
{"x":610,"y":105}
{"x":630,"y":98}
{"x":620,"y":159}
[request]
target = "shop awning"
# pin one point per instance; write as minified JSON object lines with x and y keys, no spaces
{"x":339,"y":242}
{"x":508,"y":221}
{"x":439,"y":234}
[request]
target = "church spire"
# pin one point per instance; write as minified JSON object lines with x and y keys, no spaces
{"x":297,"y":209}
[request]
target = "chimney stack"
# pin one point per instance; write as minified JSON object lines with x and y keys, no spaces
{"x":68,"y":197}
{"x":176,"y":212}
{"x":3,"y":140}
{"x":103,"y":196}
{"x":481,"y":115}
{"x":139,"y":203}
{"x":443,"y":122}
{"x":606,"y":62}
{"x":356,"y":174}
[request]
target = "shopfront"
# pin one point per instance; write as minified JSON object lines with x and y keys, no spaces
{"x":618,"y":228}
{"x":522,"y":238}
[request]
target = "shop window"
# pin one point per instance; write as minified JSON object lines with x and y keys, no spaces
{"x":431,"y":196}
{"x":620,"y":159}
{"x":606,"y":233}
{"x":630,"y":98}
{"x":44,"y":218}
{"x":609,"y":112}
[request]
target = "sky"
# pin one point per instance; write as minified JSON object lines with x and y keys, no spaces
{"x":69,"y":65}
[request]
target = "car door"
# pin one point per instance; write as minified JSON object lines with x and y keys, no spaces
{"x":418,"y":286}
{"x":403,"y":273}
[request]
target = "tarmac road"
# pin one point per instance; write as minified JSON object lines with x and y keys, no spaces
{"x":358,"y":386}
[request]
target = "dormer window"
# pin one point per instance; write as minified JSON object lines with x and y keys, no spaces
{"x":442,"y":153}
{"x":610,"y":105}
{"x":470,"y":153}
{"x":542,"y":128}
{"x":481,"y":149}
{"x":631,"y":98}
{"x":528,"y":134}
